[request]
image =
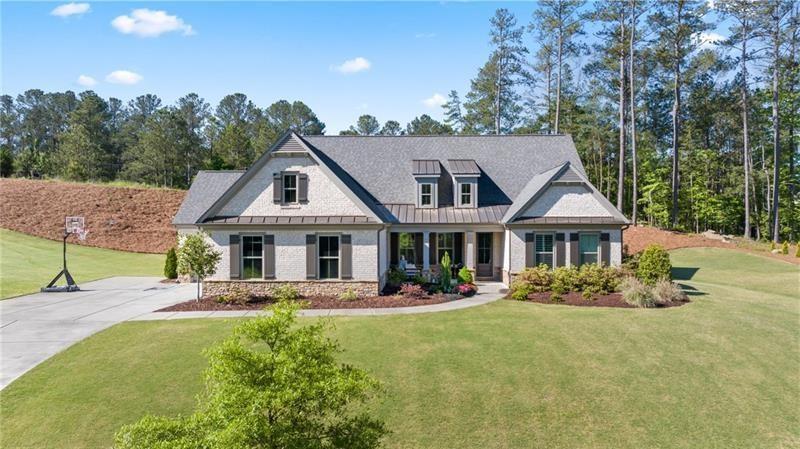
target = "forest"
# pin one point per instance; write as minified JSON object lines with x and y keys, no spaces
{"x":678,"y":129}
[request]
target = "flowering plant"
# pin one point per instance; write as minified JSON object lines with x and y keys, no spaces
{"x":466,"y":289}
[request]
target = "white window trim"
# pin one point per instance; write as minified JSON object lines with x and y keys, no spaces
{"x":552,"y":252}
{"x":296,"y":187}
{"x":596,"y":251}
{"x":434,"y":194}
{"x":461,"y":194}
{"x":473,"y":196}
{"x":338,"y":257}
{"x":242,"y":257}
{"x":422,"y":194}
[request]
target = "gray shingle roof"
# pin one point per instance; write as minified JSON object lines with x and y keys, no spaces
{"x":206,"y":188}
{"x":382,"y":165}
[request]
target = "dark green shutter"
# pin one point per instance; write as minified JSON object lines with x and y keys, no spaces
{"x":605,"y":249}
{"x":458,"y":248}
{"x":302,"y":187}
{"x":346,"y":255}
{"x":233,"y":250}
{"x":277,"y":187}
{"x":432,"y":249}
{"x":394,"y":248}
{"x":574,"y":249}
{"x":561,"y":255}
{"x":269,"y":257}
{"x":311,"y":256}
{"x":530,"y":248}
{"x":418,"y":248}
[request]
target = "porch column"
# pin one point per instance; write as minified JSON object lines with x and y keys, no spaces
{"x":470,"y":248}
{"x":426,"y":251}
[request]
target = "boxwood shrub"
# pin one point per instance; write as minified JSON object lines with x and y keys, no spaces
{"x":654,"y":265}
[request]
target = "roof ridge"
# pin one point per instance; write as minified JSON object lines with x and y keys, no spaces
{"x":440,"y":135}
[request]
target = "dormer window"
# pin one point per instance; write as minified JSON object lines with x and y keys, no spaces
{"x":426,"y":195}
{"x":466,"y":194}
{"x":290,"y":188}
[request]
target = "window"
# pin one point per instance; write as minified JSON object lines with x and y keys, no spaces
{"x":544,"y":249}
{"x":252,"y":256}
{"x":466,"y":194}
{"x":426,"y":195}
{"x":444,"y":242}
{"x":328,"y":257}
{"x":588,"y":247}
{"x":407,"y":247}
{"x":290,"y":188}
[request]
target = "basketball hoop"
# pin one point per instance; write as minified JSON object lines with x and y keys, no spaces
{"x":82,"y":235}
{"x":72,"y":225}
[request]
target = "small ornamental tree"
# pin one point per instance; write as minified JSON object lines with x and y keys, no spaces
{"x":446,"y":275}
{"x":171,"y":265}
{"x":196,"y":257}
{"x":272,"y":384}
{"x":654,"y":265}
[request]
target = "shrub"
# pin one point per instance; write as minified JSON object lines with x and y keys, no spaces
{"x":637,"y":293}
{"x":772,"y":246}
{"x":419,"y":279}
{"x":465,"y":276}
{"x":654,"y":265}
{"x":396,"y":276}
{"x":797,"y":251}
{"x":236,"y":295}
{"x":538,"y":278}
{"x":286,"y":292}
{"x":785,"y":248}
{"x":171,"y":264}
{"x":565,"y":279}
{"x":595,"y":278}
{"x":446,"y":277}
{"x":556,"y":297}
{"x":466,"y":289}
{"x":520,"y":292}
{"x":665,"y":292}
{"x":349,"y":295}
{"x":412,"y":291}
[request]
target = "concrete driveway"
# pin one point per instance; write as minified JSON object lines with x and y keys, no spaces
{"x":35,"y":327}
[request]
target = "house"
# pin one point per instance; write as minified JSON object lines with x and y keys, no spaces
{"x":331,"y":213}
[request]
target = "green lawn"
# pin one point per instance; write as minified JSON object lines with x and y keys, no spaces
{"x":28,"y":263}
{"x":720,"y":372}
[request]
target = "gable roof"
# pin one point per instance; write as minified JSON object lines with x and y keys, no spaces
{"x":382,"y":164}
{"x":562,"y":174}
{"x":206,"y":188}
{"x":294,"y":143}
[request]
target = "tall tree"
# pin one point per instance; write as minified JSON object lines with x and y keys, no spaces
{"x":84,"y":153}
{"x":676,"y":23}
{"x":194,"y":112}
{"x":367,"y":125}
{"x":637,"y":8}
{"x":744,"y":14}
{"x":391,"y":128}
{"x":773,"y":27}
{"x":424,"y":125}
{"x":561,"y":20}
{"x":492,"y":102}
{"x":452,"y":112}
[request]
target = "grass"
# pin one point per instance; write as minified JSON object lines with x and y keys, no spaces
{"x":28,"y":263}
{"x":723,"y":371}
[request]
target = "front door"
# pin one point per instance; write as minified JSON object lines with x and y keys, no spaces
{"x":484,"y":266}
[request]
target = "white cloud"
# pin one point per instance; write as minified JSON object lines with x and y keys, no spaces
{"x":70,"y":9}
{"x":435,"y":101}
{"x":709,"y":39}
{"x":149,"y":23}
{"x":425,"y":35}
{"x":86,"y":81}
{"x":355,"y":65}
{"x":123,"y":77}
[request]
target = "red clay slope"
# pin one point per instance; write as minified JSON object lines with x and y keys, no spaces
{"x":130,"y":219}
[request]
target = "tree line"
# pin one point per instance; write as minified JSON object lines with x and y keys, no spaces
{"x":678,"y":131}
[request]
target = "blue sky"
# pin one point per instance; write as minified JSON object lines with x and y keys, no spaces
{"x":342,"y":59}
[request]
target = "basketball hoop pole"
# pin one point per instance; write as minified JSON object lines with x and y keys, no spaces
{"x":71,"y":285}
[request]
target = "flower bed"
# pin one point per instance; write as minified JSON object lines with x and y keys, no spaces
{"x":577,"y":299}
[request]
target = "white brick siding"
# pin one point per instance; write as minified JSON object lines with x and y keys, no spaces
{"x":566,"y":201}
{"x":290,"y":252}
{"x":516,"y":245}
{"x":324,"y":197}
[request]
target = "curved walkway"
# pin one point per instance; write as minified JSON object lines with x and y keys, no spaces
{"x":488,"y":292}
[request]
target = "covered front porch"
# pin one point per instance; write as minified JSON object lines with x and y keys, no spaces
{"x":480,"y":249}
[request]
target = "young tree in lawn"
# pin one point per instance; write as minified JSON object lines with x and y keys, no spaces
{"x":744,"y":13}
{"x":677,"y":23}
{"x":492,"y":102}
{"x":197,"y":258}
{"x":272,"y":384}
{"x":561,"y":20}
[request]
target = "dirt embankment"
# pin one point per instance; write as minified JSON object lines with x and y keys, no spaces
{"x":130,"y":219}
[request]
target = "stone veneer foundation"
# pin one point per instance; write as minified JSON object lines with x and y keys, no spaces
{"x":304,"y":288}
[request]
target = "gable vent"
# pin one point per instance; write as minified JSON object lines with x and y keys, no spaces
{"x":290,"y":145}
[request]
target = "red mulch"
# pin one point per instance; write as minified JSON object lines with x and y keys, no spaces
{"x":314,"y":302}
{"x":122,"y":218}
{"x":576,"y":299}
